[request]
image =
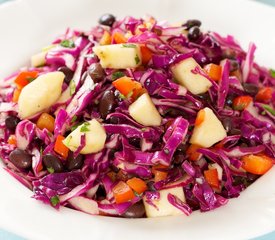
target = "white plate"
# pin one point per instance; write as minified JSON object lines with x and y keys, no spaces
{"x":27,"y":25}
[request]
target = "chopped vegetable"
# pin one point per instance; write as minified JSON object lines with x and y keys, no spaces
{"x":16,"y":95}
{"x":211,"y":176}
{"x":257,"y":164}
{"x":122,"y":192}
{"x":46,"y":121}
{"x":24,"y":78}
{"x":137,"y":184}
{"x":60,"y":147}
{"x":12,"y":140}
{"x":127,"y":86}
{"x":214,"y":71}
{"x":146,"y":54}
{"x":118,"y":38}
{"x":192,"y":153}
{"x":242,"y":102}
{"x":264,"y":95}
{"x":105,"y":39}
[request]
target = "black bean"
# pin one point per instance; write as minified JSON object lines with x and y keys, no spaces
{"x":107,"y":20}
{"x":73,"y":163}
{"x":182,"y":148}
{"x":96,"y":72}
{"x":68,"y":74}
{"x":107,"y":103}
{"x":192,"y":23}
{"x":250,"y":88}
{"x":235,"y":131}
{"x":178,"y":158}
{"x":52,"y":162}
{"x":151,"y":186}
{"x":114,"y":120}
{"x":234,"y":65}
{"x":11,"y":122}
{"x":21,"y":158}
{"x":135,"y":211}
{"x":227,"y":124}
{"x":135,"y":141}
{"x":194,"y":33}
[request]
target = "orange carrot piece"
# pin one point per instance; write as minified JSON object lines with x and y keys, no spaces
{"x":16,"y":95}
{"x":60,"y":148}
{"x":160,"y":172}
{"x":46,"y":121}
{"x":126,"y":85}
{"x":264,"y":95}
{"x":200,"y":117}
{"x":105,"y":39}
{"x":24,"y":78}
{"x":241,"y":102}
{"x":122,"y":192}
{"x":192,"y":153}
{"x":211,"y":176}
{"x":146,"y":54}
{"x":118,"y":37}
{"x":137,"y":184}
{"x":12,"y":140}
{"x":258,"y":164}
{"x":214,"y":71}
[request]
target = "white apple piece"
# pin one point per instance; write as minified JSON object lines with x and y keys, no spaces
{"x":38,"y":59}
{"x":195,"y":83}
{"x":164,"y":207}
{"x":40,"y":94}
{"x":119,"y":56}
{"x":95,"y":137}
{"x":209,"y":131}
{"x":144,"y":111}
{"x":85,"y":204}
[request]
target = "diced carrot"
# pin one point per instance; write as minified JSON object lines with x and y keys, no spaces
{"x":137,"y":93}
{"x":200,"y":117}
{"x":12,"y":140}
{"x":16,"y":95}
{"x":24,"y":78}
{"x":264,"y":95}
{"x":146,"y":54}
{"x":138,"y":185}
{"x":105,"y":39}
{"x":211,"y":176}
{"x":126,"y":85}
{"x":160,"y":175}
{"x":160,"y":172}
{"x":241,"y":102}
{"x":46,"y":121}
{"x":192,"y":153}
{"x":122,"y":192}
{"x":118,"y":37}
{"x":257,"y":164}
{"x":60,"y":148}
{"x":214,"y":71}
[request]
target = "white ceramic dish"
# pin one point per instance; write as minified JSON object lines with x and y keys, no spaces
{"x":27,"y":25}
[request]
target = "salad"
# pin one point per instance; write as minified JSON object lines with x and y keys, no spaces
{"x":139,"y":118}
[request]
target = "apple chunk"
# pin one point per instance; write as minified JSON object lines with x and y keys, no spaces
{"x":208,"y":129}
{"x":194,"y":82}
{"x":119,"y":56}
{"x":144,"y":111}
{"x":95,"y":137}
{"x":164,"y":208}
{"x":40,"y":94}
